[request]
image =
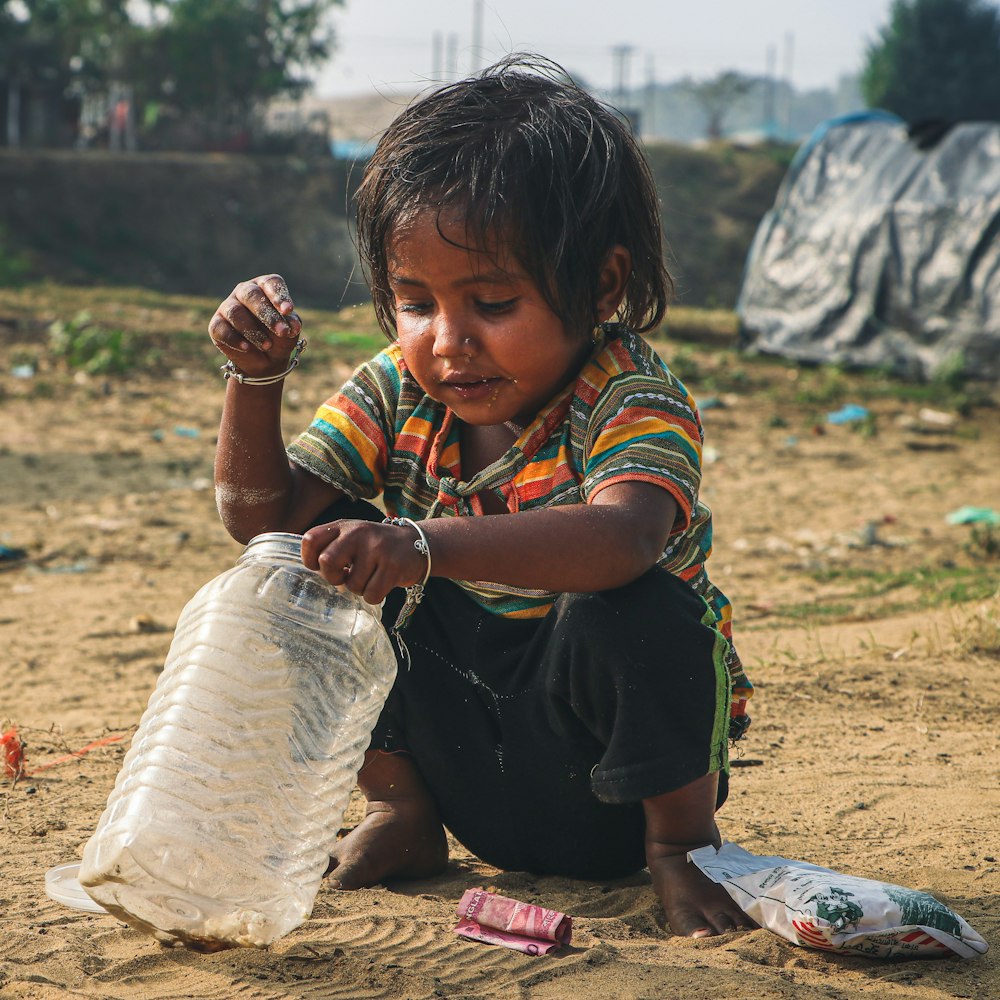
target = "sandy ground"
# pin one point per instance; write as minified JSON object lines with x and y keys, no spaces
{"x":873,"y":750}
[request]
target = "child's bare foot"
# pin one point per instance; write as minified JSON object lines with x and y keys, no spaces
{"x":401,"y":835}
{"x":678,"y":822}
{"x":695,"y":905}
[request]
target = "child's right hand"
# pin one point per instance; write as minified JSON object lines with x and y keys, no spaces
{"x":257,"y":327}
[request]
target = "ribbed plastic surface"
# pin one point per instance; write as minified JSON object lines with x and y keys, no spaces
{"x":221,"y":822}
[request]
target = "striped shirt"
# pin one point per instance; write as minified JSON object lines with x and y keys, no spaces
{"x":626,"y":417}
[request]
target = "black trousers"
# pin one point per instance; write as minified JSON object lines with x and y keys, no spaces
{"x":539,"y":738}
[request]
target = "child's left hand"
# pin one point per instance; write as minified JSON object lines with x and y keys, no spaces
{"x":366,"y":557}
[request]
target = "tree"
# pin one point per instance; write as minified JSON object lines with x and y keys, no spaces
{"x":717,"y":97}
{"x":219,"y":60}
{"x":936,"y":59}
{"x":214,"y":62}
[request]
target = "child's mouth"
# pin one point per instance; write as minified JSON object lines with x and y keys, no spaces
{"x":473,"y":388}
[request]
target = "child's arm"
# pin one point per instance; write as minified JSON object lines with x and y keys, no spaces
{"x":578,"y":548}
{"x":256,"y":487}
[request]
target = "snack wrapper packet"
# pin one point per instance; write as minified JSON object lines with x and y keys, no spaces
{"x":492,"y":919}
{"x":820,"y":908}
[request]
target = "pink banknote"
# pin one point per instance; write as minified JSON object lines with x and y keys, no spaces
{"x":485,"y":916}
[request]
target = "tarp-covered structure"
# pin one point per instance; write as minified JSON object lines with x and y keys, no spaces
{"x":880,"y":253}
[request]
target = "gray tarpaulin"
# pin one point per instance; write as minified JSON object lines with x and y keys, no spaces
{"x":880,"y":254}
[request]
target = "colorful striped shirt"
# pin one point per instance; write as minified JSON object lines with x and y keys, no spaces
{"x":626,"y":417}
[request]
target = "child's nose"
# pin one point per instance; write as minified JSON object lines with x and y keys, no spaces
{"x":452,"y":338}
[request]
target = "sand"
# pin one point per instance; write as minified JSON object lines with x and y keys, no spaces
{"x":873,"y":749}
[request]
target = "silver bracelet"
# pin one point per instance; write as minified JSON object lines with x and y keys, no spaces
{"x":415,"y":592}
{"x":229,"y":369}
{"x":421,"y":545}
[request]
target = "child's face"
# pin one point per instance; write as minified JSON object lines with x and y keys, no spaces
{"x":474,"y":329}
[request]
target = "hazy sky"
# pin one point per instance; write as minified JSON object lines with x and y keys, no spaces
{"x":389,"y":44}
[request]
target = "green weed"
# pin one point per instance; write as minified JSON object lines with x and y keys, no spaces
{"x":88,"y":347}
{"x":934,"y":585}
{"x":983,"y":543}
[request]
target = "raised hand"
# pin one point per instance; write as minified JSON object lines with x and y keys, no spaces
{"x":257,"y":327}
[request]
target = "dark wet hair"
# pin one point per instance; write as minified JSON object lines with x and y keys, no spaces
{"x":525,"y":155}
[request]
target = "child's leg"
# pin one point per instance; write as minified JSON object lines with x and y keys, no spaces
{"x":678,"y":822}
{"x":401,"y":835}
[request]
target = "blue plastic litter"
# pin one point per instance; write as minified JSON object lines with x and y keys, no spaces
{"x":9,"y":555}
{"x":187,"y":432}
{"x":849,"y":414}
{"x":973,"y":515}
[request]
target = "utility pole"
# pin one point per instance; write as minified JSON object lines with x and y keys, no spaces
{"x":789,"y":58}
{"x":770,"y":122}
{"x":437,"y":57}
{"x":622,"y":54}
{"x":477,"y":34}
{"x":649,"y":109}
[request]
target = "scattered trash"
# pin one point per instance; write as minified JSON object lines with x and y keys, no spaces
{"x":973,"y":515}
{"x":157,"y":435}
{"x":937,"y":418}
{"x":187,"y":432}
{"x":820,"y":908}
{"x":868,"y":535}
{"x":710,"y":455}
{"x":11,"y":557}
{"x":494,"y":919}
{"x":80,"y":566}
{"x":23,"y":371}
{"x":12,"y":753}
{"x":76,"y":754}
{"x":851,"y":413}
{"x":711,"y":403}
{"x":791,"y":441}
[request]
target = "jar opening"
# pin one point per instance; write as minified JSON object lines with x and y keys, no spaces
{"x":285,"y":544}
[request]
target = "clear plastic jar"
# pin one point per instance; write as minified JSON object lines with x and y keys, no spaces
{"x":220,"y":825}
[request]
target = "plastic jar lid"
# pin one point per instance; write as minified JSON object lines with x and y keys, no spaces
{"x":62,"y":885}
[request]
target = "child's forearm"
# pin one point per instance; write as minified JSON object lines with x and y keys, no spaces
{"x":583,"y":548}
{"x":253,"y":481}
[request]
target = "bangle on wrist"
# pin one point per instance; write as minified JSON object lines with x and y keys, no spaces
{"x":415,"y":592}
{"x":229,"y":369}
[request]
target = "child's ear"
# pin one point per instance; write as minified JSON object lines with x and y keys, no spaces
{"x":611,"y":283}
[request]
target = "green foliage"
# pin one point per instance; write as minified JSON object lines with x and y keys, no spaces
{"x":984,"y":542}
{"x":90,"y":348}
{"x":219,"y":58}
{"x":923,"y":586}
{"x":70,"y":46}
{"x":937,"y":59}
{"x":213,"y":60}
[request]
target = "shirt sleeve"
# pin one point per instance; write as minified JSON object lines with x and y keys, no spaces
{"x":350,"y":437}
{"x":645,"y":428}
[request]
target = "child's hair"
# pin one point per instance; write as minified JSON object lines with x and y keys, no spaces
{"x":530,"y":158}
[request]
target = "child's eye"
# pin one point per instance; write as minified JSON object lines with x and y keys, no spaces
{"x":412,"y":307}
{"x":496,"y":308}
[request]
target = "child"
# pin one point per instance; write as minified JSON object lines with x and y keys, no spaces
{"x":563,"y":698}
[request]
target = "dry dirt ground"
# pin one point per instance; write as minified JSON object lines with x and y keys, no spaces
{"x":870,"y":623}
